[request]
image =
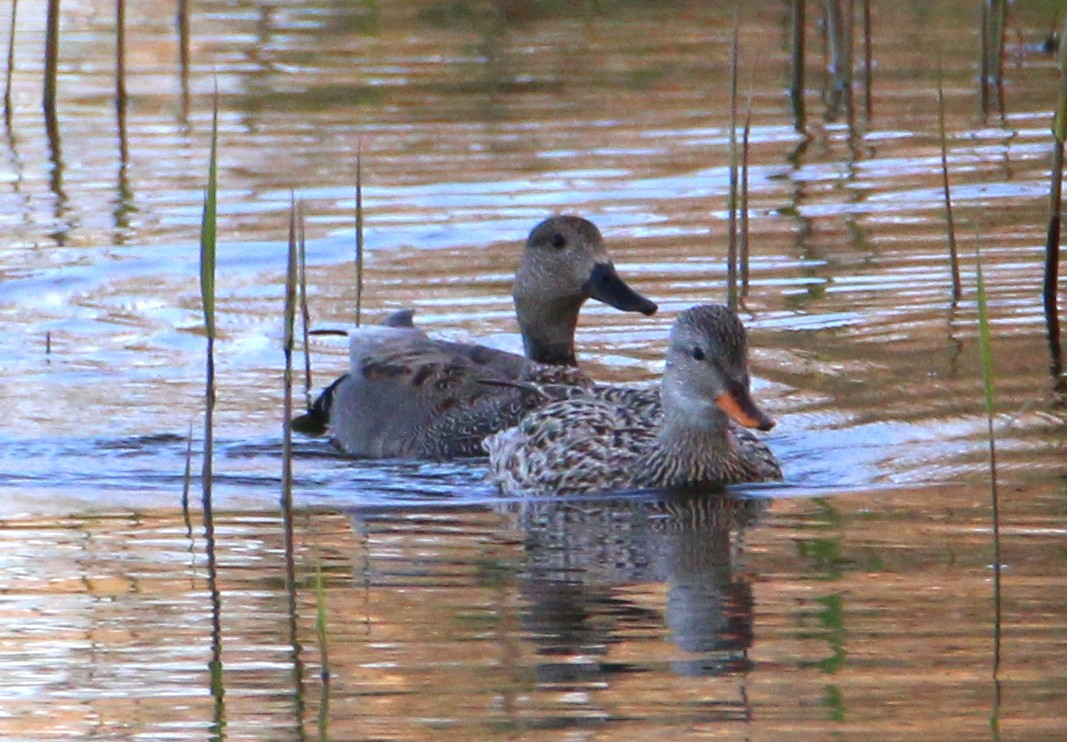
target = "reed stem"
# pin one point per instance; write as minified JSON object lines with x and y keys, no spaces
{"x":848,"y":33}
{"x":953,"y":254}
{"x":321,"y":629}
{"x":120,"y":54}
{"x":986,"y":349}
{"x":291,"y":279}
{"x":182,"y":23}
{"x":359,"y":232}
{"x":868,"y":61}
{"x":1050,"y":285}
{"x":9,"y":73}
{"x":743,"y":244}
{"x":796,"y":84}
{"x":305,"y":312}
{"x":731,"y":250}
{"x":208,"y":239}
{"x":51,"y":55}
{"x":187,"y":480}
{"x":994,"y":15}
{"x":288,"y":533}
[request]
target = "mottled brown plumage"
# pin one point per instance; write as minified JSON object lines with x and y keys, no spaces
{"x":610,"y":439}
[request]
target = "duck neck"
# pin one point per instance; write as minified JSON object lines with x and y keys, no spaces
{"x":693,"y":444}
{"x":683,"y":438}
{"x":547,"y":329}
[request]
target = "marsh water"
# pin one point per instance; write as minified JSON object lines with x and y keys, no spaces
{"x":859,"y":599}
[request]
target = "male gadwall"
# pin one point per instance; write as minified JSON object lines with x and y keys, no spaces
{"x":408,"y":395}
{"x":602,"y":439}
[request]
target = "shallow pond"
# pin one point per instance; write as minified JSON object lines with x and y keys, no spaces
{"x":858,"y":599}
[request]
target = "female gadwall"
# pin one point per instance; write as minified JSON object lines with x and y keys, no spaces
{"x":411,"y":396}
{"x":599,"y":439}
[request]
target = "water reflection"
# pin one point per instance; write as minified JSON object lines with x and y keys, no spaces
{"x":577,"y":555}
{"x":448,"y":617}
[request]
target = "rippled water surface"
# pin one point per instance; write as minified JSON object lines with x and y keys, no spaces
{"x":858,"y":599}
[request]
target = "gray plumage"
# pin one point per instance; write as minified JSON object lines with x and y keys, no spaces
{"x":410,"y":396}
{"x":609,"y":439}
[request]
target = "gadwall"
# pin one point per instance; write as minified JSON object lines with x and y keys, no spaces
{"x":602,"y":439}
{"x":408,"y":395}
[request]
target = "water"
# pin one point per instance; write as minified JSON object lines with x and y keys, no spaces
{"x":856,"y":599}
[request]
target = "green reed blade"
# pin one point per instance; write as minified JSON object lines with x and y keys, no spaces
{"x":288,"y":536}
{"x":320,"y":622}
{"x":305,"y":313}
{"x":985,"y":345}
{"x":291,"y":275}
{"x":324,"y":714}
{"x":209,"y":231}
{"x":208,"y":235}
{"x":289,"y":312}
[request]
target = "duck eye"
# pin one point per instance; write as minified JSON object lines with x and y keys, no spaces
{"x":559,"y":240}
{"x":697,"y":353}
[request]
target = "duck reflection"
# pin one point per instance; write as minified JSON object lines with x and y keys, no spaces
{"x":579,"y":553}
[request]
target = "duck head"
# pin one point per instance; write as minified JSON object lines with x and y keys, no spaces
{"x":707,"y":371}
{"x":563,"y":264}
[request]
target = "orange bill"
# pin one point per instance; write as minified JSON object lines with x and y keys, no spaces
{"x":738,"y":404}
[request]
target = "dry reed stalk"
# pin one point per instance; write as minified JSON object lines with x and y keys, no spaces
{"x":187,"y":479}
{"x":796,"y":84}
{"x":51,"y":55}
{"x":359,"y":232}
{"x":953,"y":254}
{"x":848,"y":29}
{"x":1052,"y":240}
{"x":120,"y":53}
{"x":182,"y":24}
{"x":731,"y":249}
{"x":743,"y":244}
{"x":10,"y":70}
{"x":994,"y":15}
{"x":868,"y":61}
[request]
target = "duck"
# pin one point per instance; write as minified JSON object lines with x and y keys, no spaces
{"x":695,"y":434}
{"x":411,"y":396}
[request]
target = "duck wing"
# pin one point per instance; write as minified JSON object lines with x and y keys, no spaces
{"x":415,"y":397}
